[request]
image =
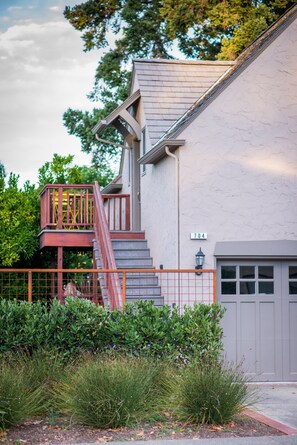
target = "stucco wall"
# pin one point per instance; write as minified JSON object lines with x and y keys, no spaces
{"x":158,"y":212}
{"x":239,"y":165}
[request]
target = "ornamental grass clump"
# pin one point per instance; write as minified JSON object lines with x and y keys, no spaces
{"x":44,"y":370}
{"x":18,"y":399}
{"x":113,"y":392}
{"x":211,"y":394}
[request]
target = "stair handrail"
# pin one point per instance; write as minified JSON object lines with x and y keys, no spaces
{"x":102,"y":235}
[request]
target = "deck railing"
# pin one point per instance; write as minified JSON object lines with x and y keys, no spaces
{"x":69,"y":207}
{"x":117,"y":208}
{"x":103,"y":240}
{"x":178,"y":287}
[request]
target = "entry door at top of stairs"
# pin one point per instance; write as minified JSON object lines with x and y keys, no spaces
{"x":260,"y":323}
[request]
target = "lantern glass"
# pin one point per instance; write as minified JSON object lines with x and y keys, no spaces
{"x":200,"y":258}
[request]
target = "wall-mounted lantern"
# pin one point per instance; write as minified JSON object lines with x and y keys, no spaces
{"x":199,"y":261}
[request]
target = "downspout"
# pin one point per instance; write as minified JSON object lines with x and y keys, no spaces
{"x":168,"y":152}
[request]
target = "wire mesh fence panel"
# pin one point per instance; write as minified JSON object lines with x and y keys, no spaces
{"x":45,"y":285}
{"x":172,"y":287}
{"x":187,"y":288}
{"x":14,"y":285}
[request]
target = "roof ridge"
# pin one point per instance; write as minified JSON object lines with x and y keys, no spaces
{"x":185,"y":62}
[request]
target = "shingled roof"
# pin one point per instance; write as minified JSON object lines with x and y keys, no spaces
{"x":169,"y":88}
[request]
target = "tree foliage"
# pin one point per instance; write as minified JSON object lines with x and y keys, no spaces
{"x":61,"y":170}
{"x":202,"y":29}
{"x":19,"y":222}
{"x":80,"y":124}
{"x":212,"y":30}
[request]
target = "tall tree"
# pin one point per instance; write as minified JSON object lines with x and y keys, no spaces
{"x":212,"y":29}
{"x":202,"y":29}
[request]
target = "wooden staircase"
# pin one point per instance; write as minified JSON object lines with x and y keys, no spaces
{"x":134,"y":255}
{"x":80,"y":217}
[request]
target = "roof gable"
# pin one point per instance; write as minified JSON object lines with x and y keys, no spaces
{"x":248,"y":55}
{"x":169,"y":88}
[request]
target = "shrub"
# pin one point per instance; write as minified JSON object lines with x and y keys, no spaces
{"x":113,"y":393}
{"x":211,"y":394}
{"x":142,"y":329}
{"x":18,"y":399}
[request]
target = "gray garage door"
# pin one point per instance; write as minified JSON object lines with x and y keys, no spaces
{"x":260,"y":323}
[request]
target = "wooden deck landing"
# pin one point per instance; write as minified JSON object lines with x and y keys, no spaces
{"x":79,"y":238}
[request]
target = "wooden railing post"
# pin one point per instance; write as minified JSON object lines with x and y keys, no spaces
{"x":127,"y":210}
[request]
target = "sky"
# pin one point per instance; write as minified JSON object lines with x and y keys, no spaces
{"x":43,"y":72}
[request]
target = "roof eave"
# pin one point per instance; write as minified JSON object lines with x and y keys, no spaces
{"x":158,"y":152}
{"x":112,"y":188}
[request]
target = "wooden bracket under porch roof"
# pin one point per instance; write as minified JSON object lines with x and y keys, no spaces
{"x":122,"y":114}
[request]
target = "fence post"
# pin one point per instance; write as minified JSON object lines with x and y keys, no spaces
{"x":30,"y":286}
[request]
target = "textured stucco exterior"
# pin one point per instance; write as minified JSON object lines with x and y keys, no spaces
{"x":159,"y":212}
{"x":238,"y":169}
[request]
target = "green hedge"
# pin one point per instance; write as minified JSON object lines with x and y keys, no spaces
{"x":141,"y":329}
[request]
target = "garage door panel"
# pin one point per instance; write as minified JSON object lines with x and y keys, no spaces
{"x":247,"y":336}
{"x":290,"y":341}
{"x":293,"y":337}
{"x":229,"y":325}
{"x":268,"y":341}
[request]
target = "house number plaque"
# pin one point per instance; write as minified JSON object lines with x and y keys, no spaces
{"x":199,"y":235}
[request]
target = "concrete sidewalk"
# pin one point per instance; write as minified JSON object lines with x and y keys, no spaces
{"x":278,"y":402}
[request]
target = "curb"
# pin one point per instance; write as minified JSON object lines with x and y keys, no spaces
{"x":285,"y":429}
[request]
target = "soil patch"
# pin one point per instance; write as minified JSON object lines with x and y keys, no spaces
{"x":61,"y":430}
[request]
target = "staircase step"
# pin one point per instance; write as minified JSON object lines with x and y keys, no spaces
{"x":146,"y":291}
{"x":142,"y":282}
{"x":138,"y":253}
{"x":129,"y":244}
{"x":134,"y":263}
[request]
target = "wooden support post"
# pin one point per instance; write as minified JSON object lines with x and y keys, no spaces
{"x":60,"y":275}
{"x":30,"y":286}
{"x":60,"y":208}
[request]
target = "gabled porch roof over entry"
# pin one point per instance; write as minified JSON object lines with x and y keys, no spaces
{"x":168,"y":88}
